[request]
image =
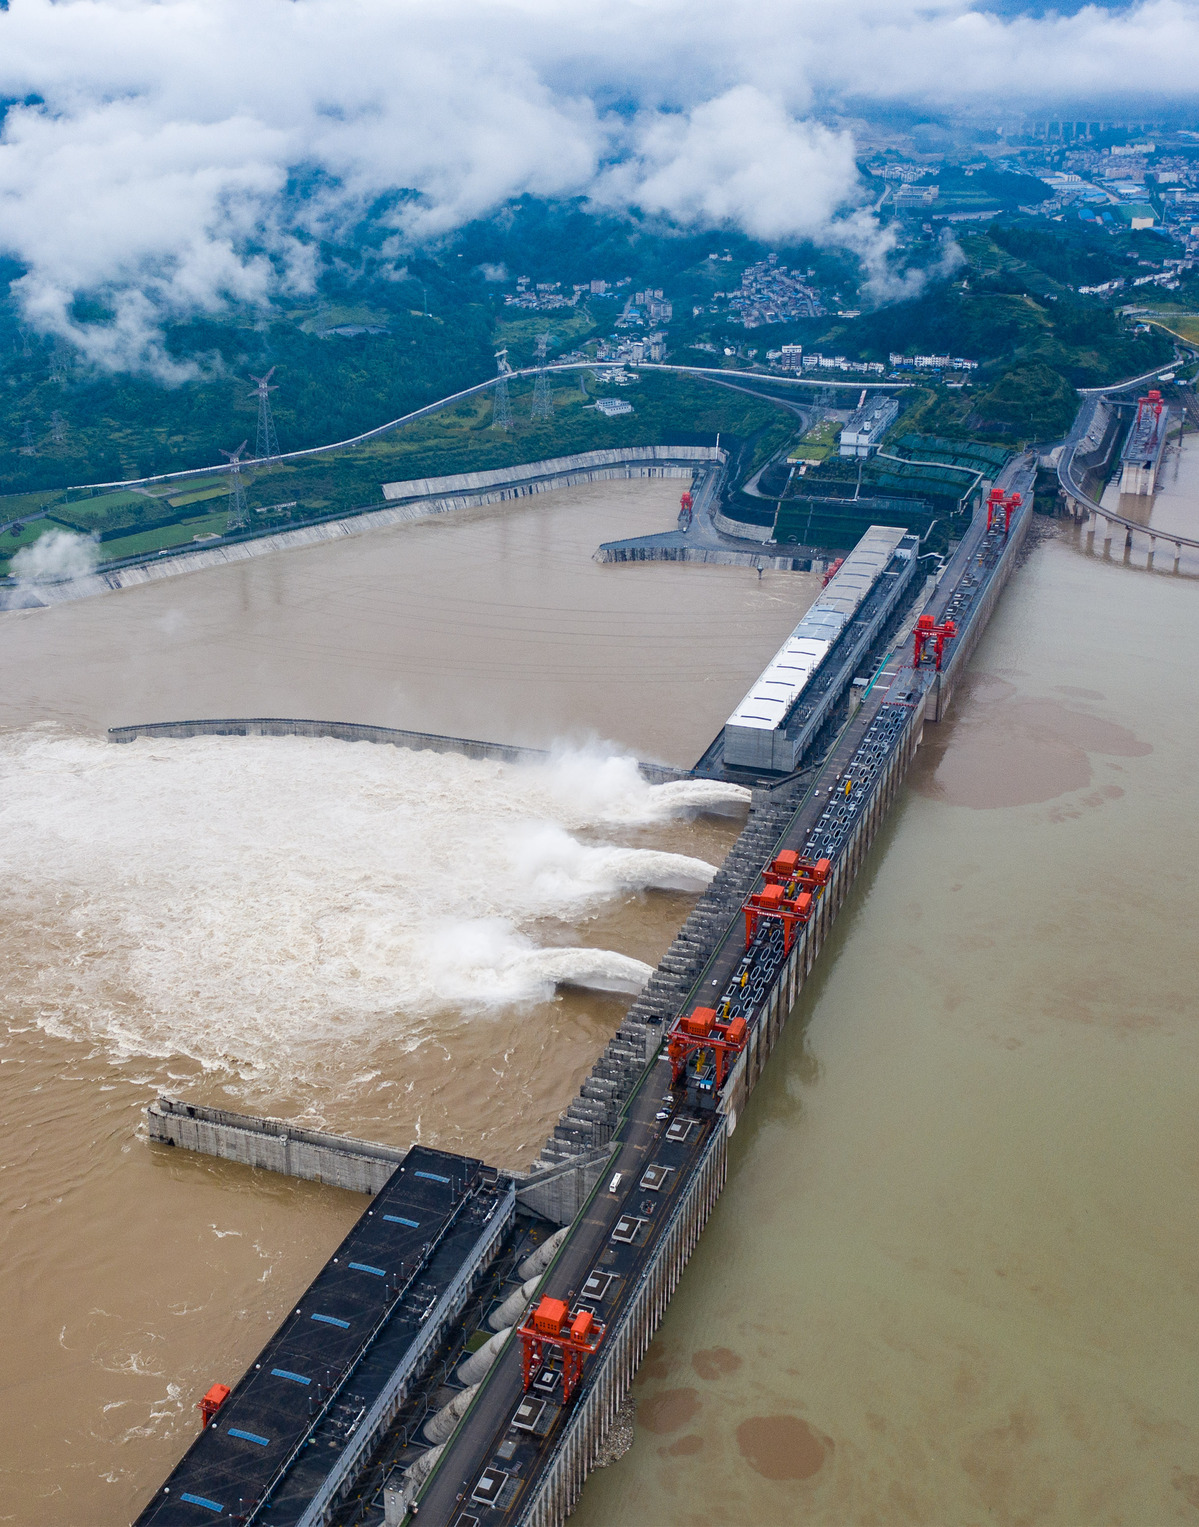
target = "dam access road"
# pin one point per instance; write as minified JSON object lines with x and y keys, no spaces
{"x":463,"y":1355}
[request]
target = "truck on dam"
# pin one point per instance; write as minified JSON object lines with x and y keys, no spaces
{"x":464,"y":1355}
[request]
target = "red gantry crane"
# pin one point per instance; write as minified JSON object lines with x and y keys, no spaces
{"x":928,"y":632}
{"x":701,"y":1033}
{"x":552,"y":1328}
{"x":998,"y":504}
{"x":788,"y":895}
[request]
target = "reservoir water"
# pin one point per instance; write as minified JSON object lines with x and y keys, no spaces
{"x":952,"y":1278}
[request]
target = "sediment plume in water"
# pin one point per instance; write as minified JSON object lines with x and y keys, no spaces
{"x":243,"y":901}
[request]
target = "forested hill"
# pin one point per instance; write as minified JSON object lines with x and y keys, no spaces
{"x":379,"y":341}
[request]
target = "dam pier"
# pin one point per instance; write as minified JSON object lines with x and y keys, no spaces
{"x":464,"y":1354}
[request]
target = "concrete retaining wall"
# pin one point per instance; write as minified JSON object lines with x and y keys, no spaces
{"x":361,"y":1166}
{"x":634,"y":462}
{"x":742,"y":528}
{"x":684,"y":458}
{"x":559,"y":1192}
{"x":941,"y":694}
{"x":353,"y":731}
{"x":341,"y":1161}
{"x":658,"y":553}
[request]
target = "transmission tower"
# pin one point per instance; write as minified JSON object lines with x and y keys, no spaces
{"x":267,"y":443}
{"x":543,"y":404}
{"x":501,"y":410}
{"x":58,"y":427}
{"x":239,"y":514}
{"x":27,"y":446}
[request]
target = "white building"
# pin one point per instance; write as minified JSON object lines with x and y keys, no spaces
{"x":867,"y":425}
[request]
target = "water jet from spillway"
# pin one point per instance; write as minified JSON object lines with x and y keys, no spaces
{"x":258,"y":905}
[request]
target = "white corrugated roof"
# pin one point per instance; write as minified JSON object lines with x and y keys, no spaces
{"x":788,"y":672}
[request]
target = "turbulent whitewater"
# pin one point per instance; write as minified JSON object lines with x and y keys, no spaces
{"x":243,"y":902}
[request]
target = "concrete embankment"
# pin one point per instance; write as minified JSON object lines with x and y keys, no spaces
{"x":559,"y":472}
{"x":466,"y":491}
{"x":353,"y":731}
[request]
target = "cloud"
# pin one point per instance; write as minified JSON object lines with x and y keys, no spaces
{"x":153,"y":162}
{"x":738,"y":159}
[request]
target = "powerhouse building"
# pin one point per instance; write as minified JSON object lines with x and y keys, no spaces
{"x":792,"y":697}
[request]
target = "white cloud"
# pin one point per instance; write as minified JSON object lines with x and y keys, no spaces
{"x":738,"y":159}
{"x":155,"y":170}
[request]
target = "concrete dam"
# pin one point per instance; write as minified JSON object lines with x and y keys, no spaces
{"x":463,"y":1355}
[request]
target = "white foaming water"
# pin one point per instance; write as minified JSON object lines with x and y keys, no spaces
{"x":608,"y":787}
{"x":244,"y":901}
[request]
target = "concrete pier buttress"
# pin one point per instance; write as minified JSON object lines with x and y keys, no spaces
{"x":557,"y":1193}
{"x":361,"y":1166}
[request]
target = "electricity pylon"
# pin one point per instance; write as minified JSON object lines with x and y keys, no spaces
{"x":501,"y":411}
{"x":543,"y":404}
{"x":239,"y":514}
{"x":267,"y":443}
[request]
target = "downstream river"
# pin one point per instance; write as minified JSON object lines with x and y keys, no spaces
{"x":953,"y":1276}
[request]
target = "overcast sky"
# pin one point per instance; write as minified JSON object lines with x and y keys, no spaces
{"x":151,"y":161}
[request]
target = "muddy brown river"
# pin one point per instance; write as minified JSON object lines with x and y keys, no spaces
{"x":952,"y":1278}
